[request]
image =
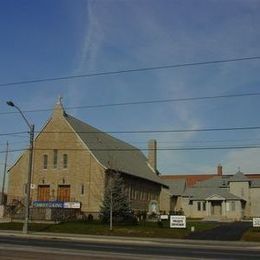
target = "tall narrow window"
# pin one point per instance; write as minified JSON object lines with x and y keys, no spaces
{"x":198,"y":206}
{"x":204,"y":205}
{"x":25,"y":188}
{"x":65,"y":161}
{"x":82,"y":189}
{"x":55,"y":158}
{"x":45,"y":161}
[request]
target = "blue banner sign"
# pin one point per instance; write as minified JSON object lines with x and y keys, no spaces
{"x":48,"y":204}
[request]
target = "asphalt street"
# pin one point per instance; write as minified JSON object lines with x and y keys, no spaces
{"x":13,"y":246}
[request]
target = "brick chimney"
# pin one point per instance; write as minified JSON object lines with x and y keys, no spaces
{"x":152,"y":154}
{"x":219,"y":170}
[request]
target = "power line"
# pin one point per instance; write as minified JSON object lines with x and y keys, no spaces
{"x":13,"y":150}
{"x":144,"y":131}
{"x":156,"y":131}
{"x":14,"y":134}
{"x":141,"y":69}
{"x":166,"y":100}
{"x":257,"y":146}
{"x":163,"y":142}
{"x":185,"y":99}
{"x":13,"y":143}
{"x":195,"y":142}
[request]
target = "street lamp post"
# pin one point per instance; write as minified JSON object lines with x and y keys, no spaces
{"x":3,"y":186}
{"x":29,"y":175}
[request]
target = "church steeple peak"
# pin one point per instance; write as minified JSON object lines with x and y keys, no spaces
{"x":59,"y":109}
{"x":59,"y":102}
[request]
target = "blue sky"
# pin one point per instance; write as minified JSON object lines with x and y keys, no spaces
{"x":52,"y":38}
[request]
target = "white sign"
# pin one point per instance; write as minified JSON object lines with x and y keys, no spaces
{"x":256,"y":222}
{"x":177,"y":221}
{"x":163,"y":217}
{"x":71,"y":205}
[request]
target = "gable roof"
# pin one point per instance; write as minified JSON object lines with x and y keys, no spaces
{"x":214,"y":182}
{"x":204,"y":193}
{"x":113,"y":153}
{"x":238,"y":177}
{"x":176,"y":187}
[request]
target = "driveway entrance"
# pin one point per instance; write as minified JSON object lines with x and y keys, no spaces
{"x":224,"y":232}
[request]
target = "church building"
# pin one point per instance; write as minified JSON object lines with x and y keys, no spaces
{"x":72,"y":161}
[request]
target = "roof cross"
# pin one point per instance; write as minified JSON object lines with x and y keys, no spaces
{"x":60,"y":98}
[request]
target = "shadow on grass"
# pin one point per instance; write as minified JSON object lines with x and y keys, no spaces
{"x":142,"y":229}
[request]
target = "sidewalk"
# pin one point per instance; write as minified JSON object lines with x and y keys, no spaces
{"x":133,"y":240}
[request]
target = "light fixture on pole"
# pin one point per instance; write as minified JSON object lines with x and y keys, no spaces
{"x":29,"y":175}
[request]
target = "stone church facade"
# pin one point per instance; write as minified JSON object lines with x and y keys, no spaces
{"x":71,"y":162}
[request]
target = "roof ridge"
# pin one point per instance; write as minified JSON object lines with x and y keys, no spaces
{"x":97,"y":131}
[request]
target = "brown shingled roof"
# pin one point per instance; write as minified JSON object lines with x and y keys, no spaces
{"x":190,"y":179}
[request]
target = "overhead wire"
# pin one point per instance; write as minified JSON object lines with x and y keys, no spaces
{"x":156,"y":131}
{"x":14,"y":134}
{"x":144,"y":131}
{"x":123,"y":71}
{"x":184,"y":99}
{"x":257,"y":146}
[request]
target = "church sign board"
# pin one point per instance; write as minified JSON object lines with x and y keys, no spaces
{"x":177,"y":221}
{"x":56,"y":204}
{"x":256,"y":222}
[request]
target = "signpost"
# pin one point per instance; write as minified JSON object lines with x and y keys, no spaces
{"x":177,"y":221}
{"x":164,"y":217}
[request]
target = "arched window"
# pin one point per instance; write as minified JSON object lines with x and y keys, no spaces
{"x":65,"y":161}
{"x":45,"y":161}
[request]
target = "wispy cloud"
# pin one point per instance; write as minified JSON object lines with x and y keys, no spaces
{"x":124,"y":36}
{"x":247,"y":160}
{"x":87,"y":55}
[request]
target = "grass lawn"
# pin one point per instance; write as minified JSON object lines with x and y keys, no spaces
{"x":143,"y":229}
{"x":253,"y":234}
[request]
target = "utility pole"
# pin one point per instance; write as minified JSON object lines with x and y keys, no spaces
{"x":5,"y":167}
{"x":111,"y":205}
{"x":28,"y":184}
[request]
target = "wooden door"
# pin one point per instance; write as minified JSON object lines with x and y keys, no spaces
{"x":63,"y":193}
{"x":216,"y":208}
{"x":43,"y":193}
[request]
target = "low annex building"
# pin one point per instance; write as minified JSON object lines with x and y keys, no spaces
{"x":72,"y":161}
{"x":217,"y":196}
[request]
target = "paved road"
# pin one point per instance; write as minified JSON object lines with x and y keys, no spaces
{"x":225,"y":232}
{"x":12,"y":247}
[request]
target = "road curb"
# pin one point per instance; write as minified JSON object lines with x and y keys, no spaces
{"x":131,"y":240}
